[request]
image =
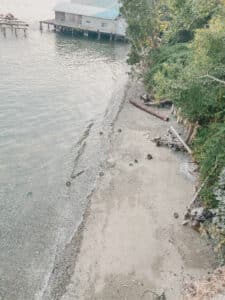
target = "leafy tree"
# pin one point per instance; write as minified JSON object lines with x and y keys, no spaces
{"x":143,"y":28}
{"x":187,"y":16}
{"x":181,"y":45}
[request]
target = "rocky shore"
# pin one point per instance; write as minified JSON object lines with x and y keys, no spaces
{"x":132,"y":244}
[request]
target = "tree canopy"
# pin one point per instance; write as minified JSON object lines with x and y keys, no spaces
{"x":179,"y":45}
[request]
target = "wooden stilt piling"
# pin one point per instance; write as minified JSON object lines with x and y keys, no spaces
{"x":86,"y":33}
{"x":4,"y":32}
{"x":99,"y":35}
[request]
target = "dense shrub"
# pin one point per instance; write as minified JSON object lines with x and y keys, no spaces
{"x":209,"y":149}
{"x":181,"y":45}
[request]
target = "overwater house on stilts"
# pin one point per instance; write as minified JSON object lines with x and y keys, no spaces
{"x":101,"y":17}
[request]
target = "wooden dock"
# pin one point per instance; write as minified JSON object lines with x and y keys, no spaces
{"x":8,"y":23}
{"x":70,"y":28}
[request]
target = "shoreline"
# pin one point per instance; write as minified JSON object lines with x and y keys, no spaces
{"x":63,"y":266}
{"x":129,"y":246}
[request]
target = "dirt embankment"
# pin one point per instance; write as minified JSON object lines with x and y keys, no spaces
{"x":132,"y":247}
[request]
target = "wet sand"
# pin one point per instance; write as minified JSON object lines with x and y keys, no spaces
{"x":130,"y":245}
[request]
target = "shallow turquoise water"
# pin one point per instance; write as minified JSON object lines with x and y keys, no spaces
{"x":52,"y":87}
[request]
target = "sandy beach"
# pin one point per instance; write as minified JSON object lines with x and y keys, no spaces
{"x":130,"y":245}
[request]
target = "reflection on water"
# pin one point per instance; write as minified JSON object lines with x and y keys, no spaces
{"x":88,"y":50}
{"x":52,"y":87}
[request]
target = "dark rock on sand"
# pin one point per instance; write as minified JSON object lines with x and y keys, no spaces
{"x":149,"y":157}
{"x":176,"y":215}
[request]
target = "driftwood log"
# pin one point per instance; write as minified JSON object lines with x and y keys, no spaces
{"x":148,"y":110}
{"x":181,"y":140}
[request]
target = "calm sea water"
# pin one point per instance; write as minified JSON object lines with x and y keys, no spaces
{"x":56,"y":94}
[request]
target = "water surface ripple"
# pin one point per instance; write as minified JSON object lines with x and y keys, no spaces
{"x":52,"y":88}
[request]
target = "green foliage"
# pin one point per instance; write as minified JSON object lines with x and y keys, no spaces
{"x":180,"y":43}
{"x":209,"y":149}
{"x":143,"y":28}
{"x":165,"y":65}
{"x":200,"y":102}
{"x":201,"y":99}
{"x":187,"y":16}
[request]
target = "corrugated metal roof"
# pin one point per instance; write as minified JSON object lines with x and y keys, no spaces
{"x":88,"y":10}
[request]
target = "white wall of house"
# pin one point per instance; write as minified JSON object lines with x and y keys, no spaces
{"x":74,"y":19}
{"x":60,"y":16}
{"x":117,"y":26}
{"x":95,"y":24}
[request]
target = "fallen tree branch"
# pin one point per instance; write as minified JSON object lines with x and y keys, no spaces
{"x":77,"y":175}
{"x":213,"y":78}
{"x":146,"y":109}
{"x":182,"y":142}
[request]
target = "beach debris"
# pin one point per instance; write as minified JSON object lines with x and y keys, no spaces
{"x":160,"y":104}
{"x":149,"y":100}
{"x":185,"y":222}
{"x":181,"y":140}
{"x":154,"y":294}
{"x":136,"y":161}
{"x":131,"y":165}
{"x":110,"y":163}
{"x":196,"y":216}
{"x":201,"y":214}
{"x":172,"y":140}
{"x":176,"y":215}
{"x":146,"y":98}
{"x":119,"y":130}
{"x":149,"y":157}
{"x":148,"y":110}
{"x":101,"y":174}
{"x":68,"y":183}
{"x":77,"y":175}
{"x":101,"y":133}
{"x":158,"y":141}
{"x":187,"y":216}
{"x":195,"y":225}
{"x":29,"y":194}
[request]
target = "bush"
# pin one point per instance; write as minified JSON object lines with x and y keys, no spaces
{"x":209,"y":148}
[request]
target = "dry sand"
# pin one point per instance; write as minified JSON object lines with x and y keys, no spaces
{"x":132,"y":247}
